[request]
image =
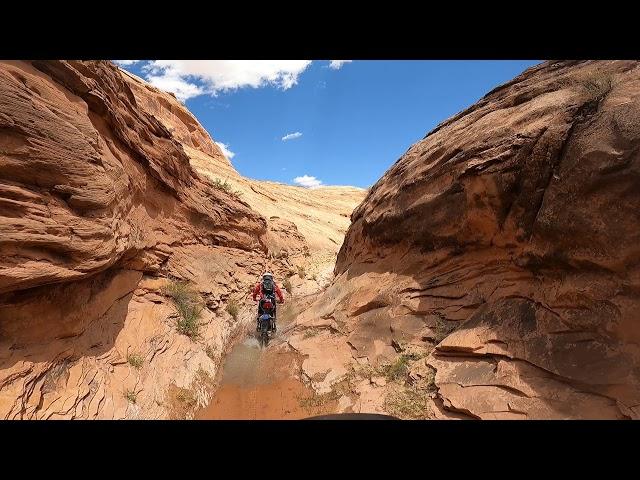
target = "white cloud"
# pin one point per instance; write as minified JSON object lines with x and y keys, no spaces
{"x":179,"y":76}
{"x":291,"y":136}
{"x":182,"y":89}
{"x":225,"y":150}
{"x":307,"y":181}
{"x":337,"y":64}
{"x":124,"y":63}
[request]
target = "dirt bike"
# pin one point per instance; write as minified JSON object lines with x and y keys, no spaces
{"x":267,"y":320}
{"x":264,"y":328}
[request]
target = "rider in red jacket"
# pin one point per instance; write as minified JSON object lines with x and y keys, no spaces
{"x":264,"y":289}
{"x":257,"y":290}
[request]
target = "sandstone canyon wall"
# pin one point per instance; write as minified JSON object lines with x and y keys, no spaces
{"x":101,"y":205}
{"x":505,"y":247}
{"x":305,"y":226}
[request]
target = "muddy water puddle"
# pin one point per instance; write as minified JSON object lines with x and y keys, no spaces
{"x":260,"y":384}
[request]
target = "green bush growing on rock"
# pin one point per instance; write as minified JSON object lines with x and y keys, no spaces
{"x":135,"y":360}
{"x":233,"y":308}
{"x":187,"y":303}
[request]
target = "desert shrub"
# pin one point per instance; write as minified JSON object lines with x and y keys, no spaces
{"x":396,"y":370}
{"x":187,"y":397}
{"x":310,"y":332}
{"x":131,"y":396}
{"x":135,"y":360}
{"x":188,"y":305}
{"x":226,"y":186}
{"x":233,"y":308}
{"x":317,"y":400}
{"x":211,"y":351}
{"x":595,"y":85}
{"x":407,"y":403}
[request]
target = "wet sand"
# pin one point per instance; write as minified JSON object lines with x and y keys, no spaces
{"x":259,"y":384}
{"x":264,"y":383}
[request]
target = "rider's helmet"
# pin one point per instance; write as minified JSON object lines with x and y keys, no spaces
{"x":268,"y":283}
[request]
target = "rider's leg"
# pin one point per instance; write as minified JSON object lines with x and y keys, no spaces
{"x":258,"y":318}
{"x":273,"y":320}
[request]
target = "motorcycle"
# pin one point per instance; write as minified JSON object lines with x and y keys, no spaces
{"x":266,"y":320}
{"x":264,"y":328}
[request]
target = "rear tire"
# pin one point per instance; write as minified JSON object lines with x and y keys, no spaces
{"x":264,"y":333}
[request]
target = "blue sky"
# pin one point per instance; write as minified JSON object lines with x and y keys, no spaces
{"x":346,"y":123}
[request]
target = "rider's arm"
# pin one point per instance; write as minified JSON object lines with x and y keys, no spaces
{"x":256,"y":291}
{"x":279,"y":293}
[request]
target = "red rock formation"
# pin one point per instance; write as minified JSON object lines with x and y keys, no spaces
{"x":173,"y":115}
{"x":516,"y":225}
{"x":97,"y":198}
{"x":89,"y":179}
{"x":101,"y":206}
